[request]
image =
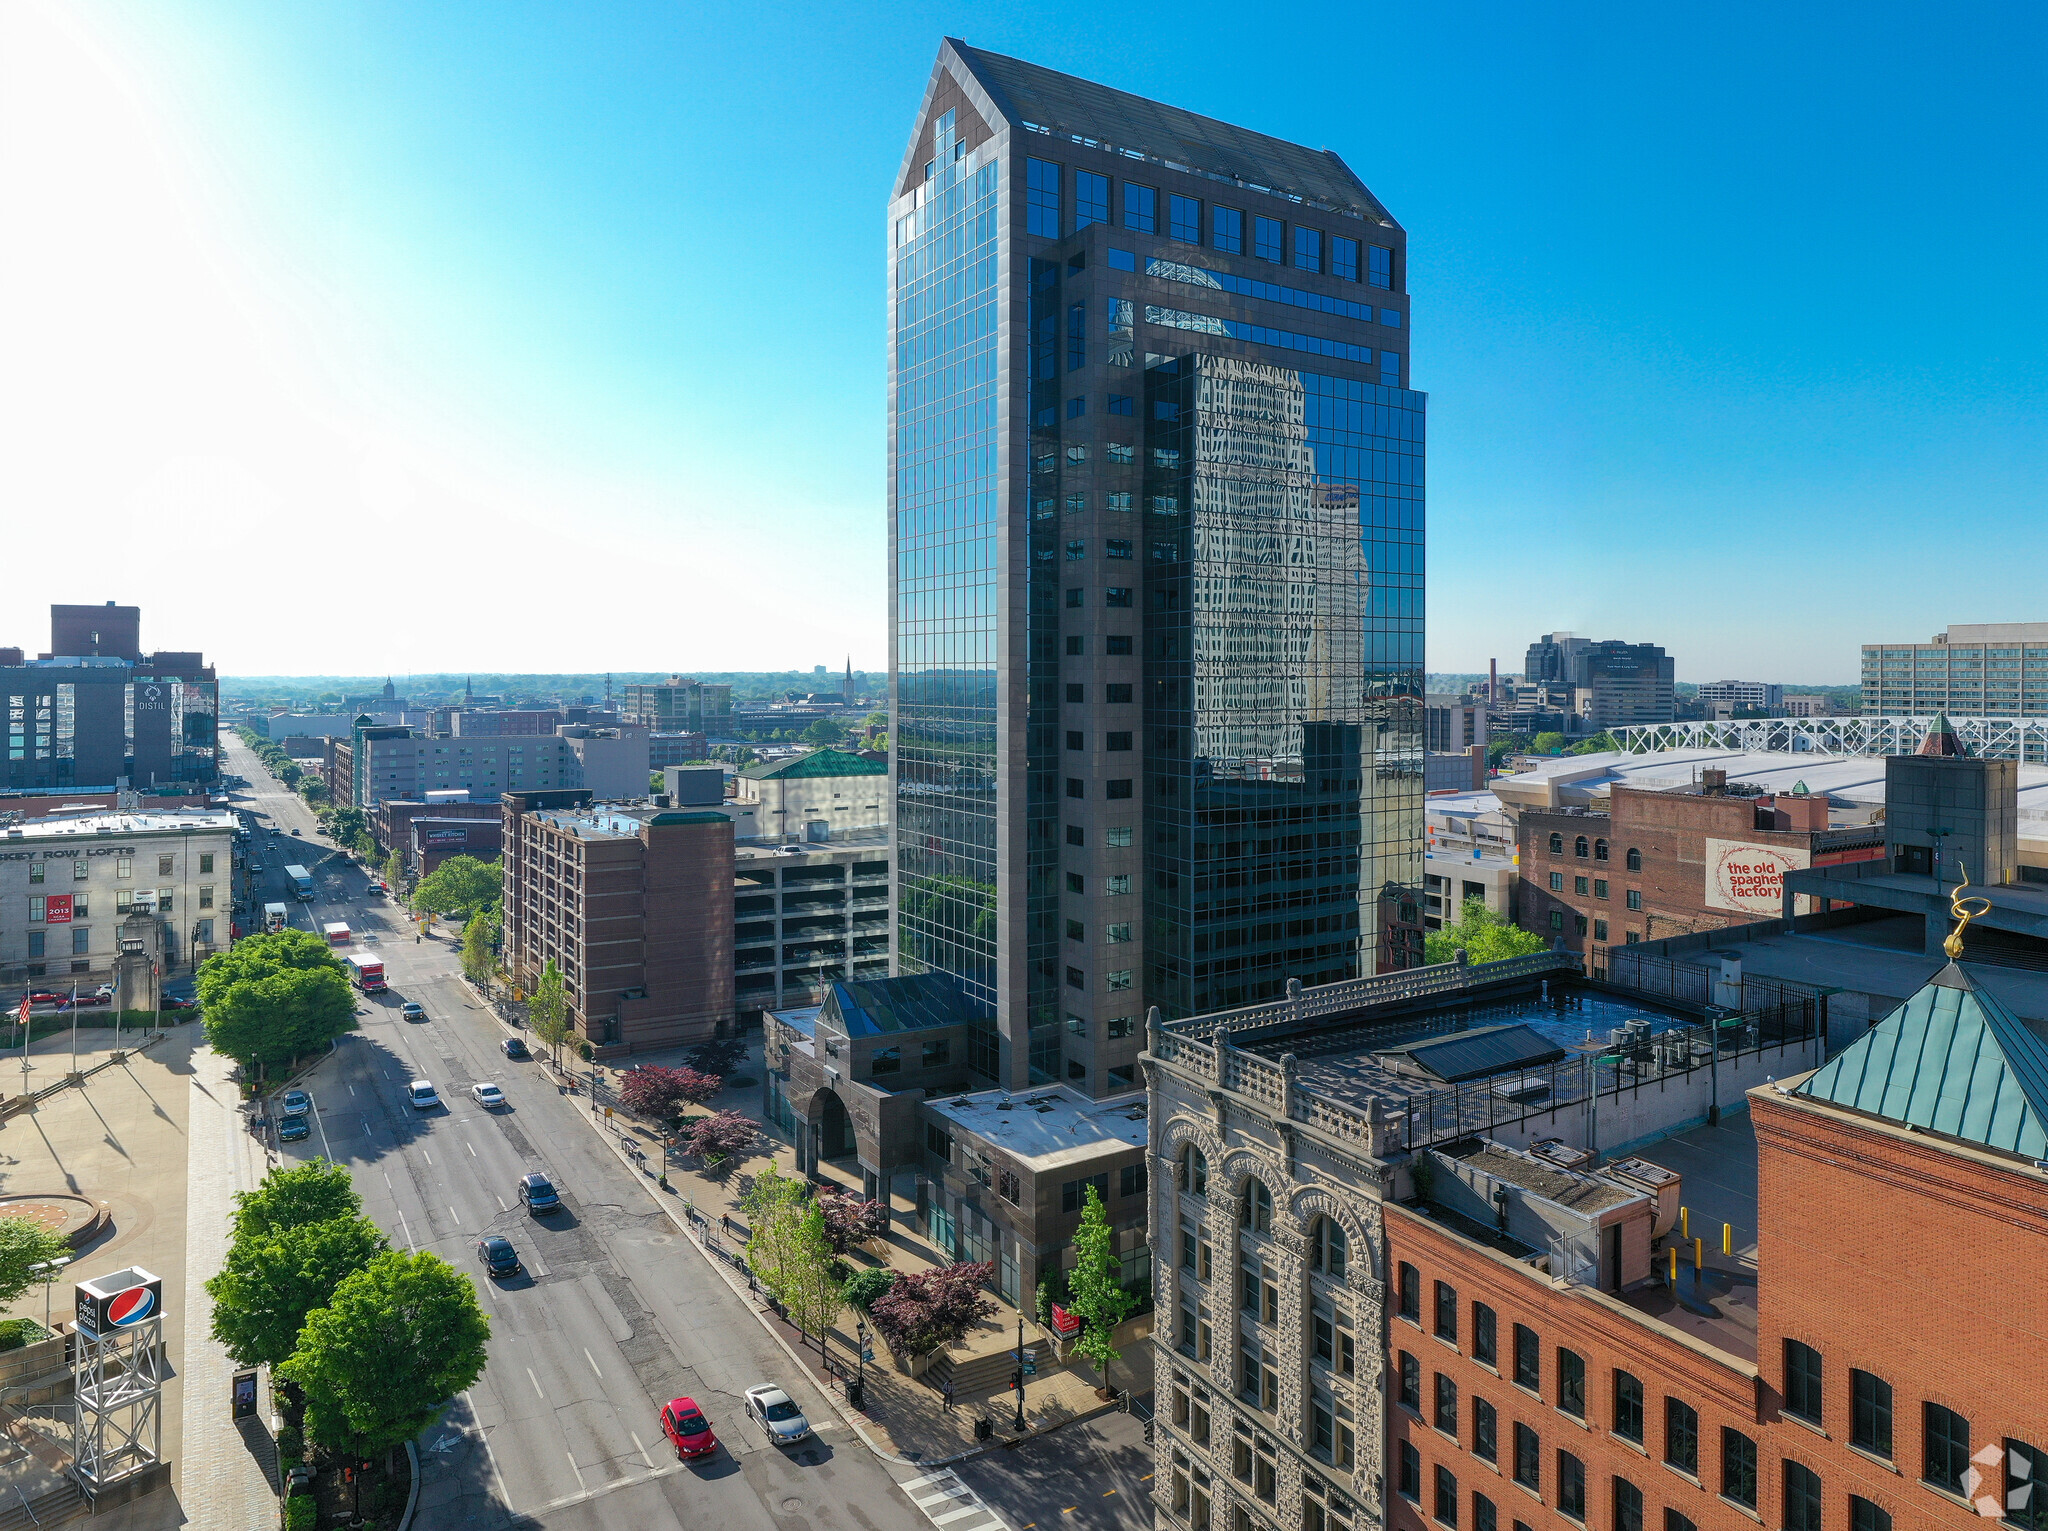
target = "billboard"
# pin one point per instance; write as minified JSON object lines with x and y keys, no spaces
{"x":1750,"y":879}
{"x":107,"y":1304}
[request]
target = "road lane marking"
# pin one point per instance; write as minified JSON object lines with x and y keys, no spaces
{"x":594,"y":1367}
{"x":387,"y":1182}
{"x":408,"y":1232}
{"x":530,"y":1377}
{"x":581,"y":1486}
{"x":455,"y":1217}
{"x":351,"y":1089}
{"x":471,"y":1147}
{"x":977,"y":1508}
{"x":427,"y":1156}
{"x":642,"y":1450}
{"x":489,"y":1455}
{"x":501,"y":1203}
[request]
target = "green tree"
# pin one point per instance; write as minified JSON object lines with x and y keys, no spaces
{"x":273,"y":1279}
{"x":281,"y":1016}
{"x":399,"y":1339}
{"x":259,"y":956}
{"x":1549,"y":742}
{"x":479,"y":946}
{"x":460,"y":882}
{"x":1500,"y":746}
{"x":825,"y":731}
{"x":548,"y":1009}
{"x":1100,"y":1298}
{"x":1595,"y":744}
{"x":394,"y":870}
{"x":811,"y":1292}
{"x":365,"y":846}
{"x":313,"y":790}
{"x":344,"y":824}
{"x":866,"y":1284}
{"x":25,"y":1243}
{"x":305,"y":1194}
{"x":1484,"y":935}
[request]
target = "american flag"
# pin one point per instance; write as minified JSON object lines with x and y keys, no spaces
{"x":23,"y":1011}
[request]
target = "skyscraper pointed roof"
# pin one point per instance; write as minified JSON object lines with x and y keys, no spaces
{"x":1941,"y":738}
{"x":1951,"y":1060}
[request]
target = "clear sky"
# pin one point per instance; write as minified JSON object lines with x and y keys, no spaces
{"x":359,"y":336}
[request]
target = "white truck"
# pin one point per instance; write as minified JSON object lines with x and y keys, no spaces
{"x":276,"y":917}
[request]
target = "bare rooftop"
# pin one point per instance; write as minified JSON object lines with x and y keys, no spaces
{"x":1048,"y":1127}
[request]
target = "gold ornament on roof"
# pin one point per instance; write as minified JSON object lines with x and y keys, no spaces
{"x":1965,"y":910}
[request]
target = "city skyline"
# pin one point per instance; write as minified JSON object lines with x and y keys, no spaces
{"x":501,"y":309}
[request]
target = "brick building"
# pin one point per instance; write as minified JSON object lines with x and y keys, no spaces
{"x":1664,"y":862}
{"x":433,"y":838}
{"x":634,"y":906}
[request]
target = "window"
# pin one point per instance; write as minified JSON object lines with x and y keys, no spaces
{"x":1682,"y":1436}
{"x":35,"y":869}
{"x":1379,"y":266}
{"x":206,"y":861}
{"x":1408,"y":1481}
{"x":1226,"y":229}
{"x":1802,"y":1498}
{"x":1673,"y":1521}
{"x":1410,"y":1293}
{"x":1344,"y":258}
{"x":1073,"y":595}
{"x":1628,"y":1407}
{"x":81,"y":941}
{"x":1447,"y":1312}
{"x":1075,"y":835}
{"x":1076,"y":979}
{"x":1118,"y":595}
{"x":1184,"y":219}
{"x":885,"y":1060}
{"x":1116,"y":645}
{"x":38,"y":943}
{"x":1323,"y":1334}
{"x":1635,"y":859}
{"x":1113,"y":935}
{"x":1120,"y":404}
{"x":1870,"y":1414}
{"x":1446,"y":1404}
{"x":1119,"y":980}
{"x":1578,"y":924}
{"x":1308,"y":249}
{"x":1579,"y":847}
{"x":1077,"y":549}
{"x":1074,"y":1193}
{"x":1599,"y":930}
{"x":1635,"y":898}
{"x":1483,"y":1336}
{"x":1076,"y":787}
{"x":36,"y":906}
{"x":1117,"y":834}
{"x":1117,"y":693}
{"x":80,"y":870}
{"x":1628,"y":1506}
{"x":1802,"y":1381}
{"x":1266,"y":239}
{"x":1329,"y":1248}
{"x":1446,"y":1496}
{"x":1196,"y":1169}
{"x":1074,"y":933}
{"x":1118,"y":1027}
{"x":1485,"y":1431}
{"x":1865,"y":1516}
{"x":1258,"y":1207}
{"x":1141,"y":209}
{"x":1528,"y":1359}
{"x":1571,"y":1486}
{"x":1117,"y":547}
{"x":1557,"y":845}
{"x":1948,"y":1448}
{"x":205,"y":897}
{"x":1599,"y":850}
{"x":1119,"y":453}
{"x":1411,"y":1382}
{"x":1528,"y":1458}
{"x":1580,"y":885}
{"x":1599,"y":887}
{"x":1738,"y":1468}
{"x":1091,"y":199}
{"x":2026,"y":1487}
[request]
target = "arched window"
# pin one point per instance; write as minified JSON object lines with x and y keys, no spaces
{"x":1599,"y":850}
{"x":1198,"y":1171}
{"x":1579,"y":847}
{"x":1557,"y":845}
{"x":1258,"y":1207}
{"x":1329,"y":1248}
{"x":1635,"y":859}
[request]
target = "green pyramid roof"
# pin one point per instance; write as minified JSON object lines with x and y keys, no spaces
{"x":1951,"y":1060}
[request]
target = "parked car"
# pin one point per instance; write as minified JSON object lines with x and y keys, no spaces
{"x":515,"y":1048}
{"x":687,"y":1429}
{"x":295,"y":1101}
{"x":173,"y":1002}
{"x":422,"y":1095}
{"x":291,"y":1128}
{"x":413,"y":1010}
{"x":105,"y":991}
{"x":498,"y":1255}
{"x":776,"y":1413}
{"x":297,"y":831}
{"x":539,"y":1194}
{"x":489,"y":1096}
{"x":45,"y":997}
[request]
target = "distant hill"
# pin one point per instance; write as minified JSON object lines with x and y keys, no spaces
{"x":747,"y":685}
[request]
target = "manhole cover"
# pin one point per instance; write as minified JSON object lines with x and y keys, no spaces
{"x":662,"y":1238}
{"x":792,"y":1505}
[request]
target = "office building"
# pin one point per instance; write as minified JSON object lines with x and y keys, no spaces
{"x":611,"y":762}
{"x":679,"y":705}
{"x":1156,"y":522}
{"x":1614,"y":684}
{"x":97,"y":712}
{"x":634,"y":909}
{"x":822,"y":796}
{"x":70,"y":883}
{"x":664,"y":750}
{"x":1742,"y":695}
{"x":1983,"y":669}
{"x":391,"y":821}
{"x":434,"y":836}
{"x":804,"y":918}
{"x":483,"y":723}
{"x":382,"y":762}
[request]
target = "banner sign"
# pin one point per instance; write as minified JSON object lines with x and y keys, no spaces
{"x":57,"y":909}
{"x":1750,"y":879}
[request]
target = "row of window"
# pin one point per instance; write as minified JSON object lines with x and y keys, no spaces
{"x":1227,"y":228}
{"x":1595,"y":888}
{"x":1112,"y":547}
{"x":124,"y":867}
{"x":1598,"y":849}
{"x":63,"y":908}
{"x":1599,"y":926}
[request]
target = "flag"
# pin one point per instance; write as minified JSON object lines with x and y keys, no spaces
{"x":24,"y":1009}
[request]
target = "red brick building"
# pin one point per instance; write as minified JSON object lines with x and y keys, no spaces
{"x":1665,"y":863}
{"x":1881,"y":1364}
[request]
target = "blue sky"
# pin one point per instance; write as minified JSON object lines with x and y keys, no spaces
{"x":568,"y":320}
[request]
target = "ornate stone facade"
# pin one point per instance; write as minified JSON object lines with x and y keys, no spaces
{"x":1268,"y":1247}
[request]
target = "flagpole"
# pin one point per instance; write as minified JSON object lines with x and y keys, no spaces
{"x":74,"y":1028}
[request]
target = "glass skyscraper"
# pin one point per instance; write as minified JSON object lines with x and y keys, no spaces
{"x":1156,"y":526}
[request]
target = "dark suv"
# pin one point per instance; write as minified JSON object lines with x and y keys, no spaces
{"x":539,"y":1194}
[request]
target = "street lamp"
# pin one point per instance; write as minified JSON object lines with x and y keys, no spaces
{"x":1019,"y":1422}
{"x":860,"y":1365}
{"x":48,"y":1270}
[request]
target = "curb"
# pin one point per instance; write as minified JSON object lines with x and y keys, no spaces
{"x":412,"y":1499}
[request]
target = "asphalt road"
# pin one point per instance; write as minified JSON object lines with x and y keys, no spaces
{"x":1091,"y":1476}
{"x":615,"y":1313}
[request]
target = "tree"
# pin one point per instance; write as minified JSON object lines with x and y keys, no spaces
{"x":825,"y":731}
{"x":460,"y":882}
{"x":1100,"y":1298}
{"x":809,"y":1288}
{"x":274,"y":1278}
{"x":548,"y":1010}
{"x":1595,"y":744}
{"x":400,"y":1337}
{"x":259,"y":956}
{"x":661,"y":1093}
{"x":280,"y":1017}
{"x":1549,"y":742}
{"x":25,"y":1243}
{"x":313,"y":790}
{"x":851,"y":1219}
{"x":1500,"y":746}
{"x":864,"y":1286}
{"x":365,"y":846}
{"x":931,"y":1310}
{"x":394,"y":869}
{"x":719,"y":1135}
{"x":313,"y":1192}
{"x":717,"y":1055}
{"x":479,"y":945}
{"x":344,"y":824}
{"x":1484,"y":935}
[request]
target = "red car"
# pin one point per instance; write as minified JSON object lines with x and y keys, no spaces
{"x":44,"y":997}
{"x":688,"y":1430}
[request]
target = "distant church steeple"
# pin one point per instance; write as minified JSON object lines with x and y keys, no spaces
{"x":390,"y":691}
{"x":849,"y":677}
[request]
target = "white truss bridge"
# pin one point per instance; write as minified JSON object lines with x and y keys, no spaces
{"x":1992,"y":738}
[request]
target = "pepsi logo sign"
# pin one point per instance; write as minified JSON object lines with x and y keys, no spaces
{"x":131,"y":1306}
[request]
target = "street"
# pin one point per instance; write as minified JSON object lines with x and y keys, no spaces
{"x":614,"y":1314}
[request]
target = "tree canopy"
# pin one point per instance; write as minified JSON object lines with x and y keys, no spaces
{"x":479,"y":945}
{"x":25,"y":1243}
{"x":460,"y":882}
{"x":660,"y":1092}
{"x":932,"y":1309}
{"x":274,"y":996}
{"x":275,"y":1278}
{"x":313,"y":1192}
{"x":400,"y":1338}
{"x":260,"y":955}
{"x":825,"y":731}
{"x":1100,"y":1298}
{"x":548,"y":1009}
{"x":1484,"y":935}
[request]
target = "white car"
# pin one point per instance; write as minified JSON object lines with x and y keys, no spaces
{"x":776,"y":1412}
{"x":422,"y":1095}
{"x":488,"y":1096}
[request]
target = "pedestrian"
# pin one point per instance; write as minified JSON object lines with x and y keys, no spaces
{"x":949,"y":1393}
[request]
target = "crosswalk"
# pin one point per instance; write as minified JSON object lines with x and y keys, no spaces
{"x":948,"y":1502}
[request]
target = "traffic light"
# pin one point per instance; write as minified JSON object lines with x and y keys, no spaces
{"x":1017,"y":1379}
